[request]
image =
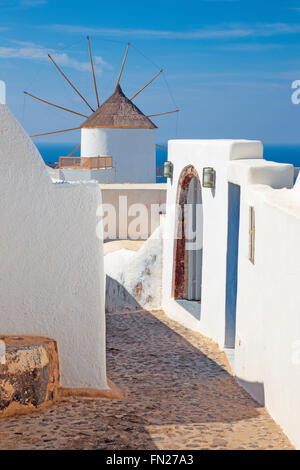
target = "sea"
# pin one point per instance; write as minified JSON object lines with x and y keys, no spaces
{"x":281,"y":153}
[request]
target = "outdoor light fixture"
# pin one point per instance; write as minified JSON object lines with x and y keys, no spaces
{"x":168,"y":169}
{"x":208,"y":179}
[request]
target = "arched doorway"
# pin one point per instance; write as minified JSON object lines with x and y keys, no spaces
{"x":187,"y":279}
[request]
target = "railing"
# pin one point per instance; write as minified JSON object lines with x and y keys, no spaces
{"x":85,"y":163}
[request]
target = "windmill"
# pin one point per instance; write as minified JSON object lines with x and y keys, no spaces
{"x":115,"y":133}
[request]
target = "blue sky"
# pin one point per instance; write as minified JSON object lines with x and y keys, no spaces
{"x":228,"y":65}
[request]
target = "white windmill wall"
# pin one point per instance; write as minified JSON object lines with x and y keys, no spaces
{"x":133,"y":152}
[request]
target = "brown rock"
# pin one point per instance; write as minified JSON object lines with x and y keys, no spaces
{"x":29,"y":374}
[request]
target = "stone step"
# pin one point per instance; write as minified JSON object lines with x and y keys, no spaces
{"x":29,"y":373}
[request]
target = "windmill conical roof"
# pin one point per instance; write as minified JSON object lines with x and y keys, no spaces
{"x":120,"y":113}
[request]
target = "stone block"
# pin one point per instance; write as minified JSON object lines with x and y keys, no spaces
{"x":29,"y":373}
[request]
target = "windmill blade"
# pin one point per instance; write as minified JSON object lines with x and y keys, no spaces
{"x":75,"y":89}
{"x":121,"y":71}
{"x":147,"y":84}
{"x":161,"y":147}
{"x":93,"y":72}
{"x":55,"y":105}
{"x":56,"y":132}
{"x":163,"y":114}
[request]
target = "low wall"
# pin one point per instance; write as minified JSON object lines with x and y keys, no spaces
{"x":134,"y":278}
{"x":123,"y":218}
{"x":267,"y":356}
{"x":132,"y":209}
{"x":101,"y":175}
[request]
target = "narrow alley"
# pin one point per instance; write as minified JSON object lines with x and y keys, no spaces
{"x":180,"y":394}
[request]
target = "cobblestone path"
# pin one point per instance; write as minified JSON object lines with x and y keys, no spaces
{"x":180,"y":395}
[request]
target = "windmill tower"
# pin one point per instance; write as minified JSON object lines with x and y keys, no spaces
{"x":117,"y":136}
{"x":119,"y":129}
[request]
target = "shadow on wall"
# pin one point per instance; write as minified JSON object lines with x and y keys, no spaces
{"x":115,"y":290}
{"x":133,"y":278}
{"x":193,"y":307}
{"x":234,"y":196}
{"x":255,"y":389}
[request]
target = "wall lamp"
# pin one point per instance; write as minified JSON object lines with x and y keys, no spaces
{"x":208,"y":178}
{"x":168,"y":170}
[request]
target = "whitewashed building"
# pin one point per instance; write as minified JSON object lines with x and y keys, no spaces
{"x":240,"y":284}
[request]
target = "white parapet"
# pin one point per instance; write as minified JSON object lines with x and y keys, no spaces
{"x":2,"y":92}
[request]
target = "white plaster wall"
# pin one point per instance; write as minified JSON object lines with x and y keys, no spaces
{"x":2,"y":92}
{"x":100,"y":175}
{"x":51,"y":260}
{"x":124,"y":197}
{"x":133,"y":152}
{"x":267,"y":355}
{"x":268,"y":316}
{"x":151,"y":195}
{"x":249,"y":171}
{"x":223,"y":156}
{"x":133,"y":278}
{"x":216,"y":154}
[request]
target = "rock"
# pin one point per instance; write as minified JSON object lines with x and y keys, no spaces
{"x":29,"y":373}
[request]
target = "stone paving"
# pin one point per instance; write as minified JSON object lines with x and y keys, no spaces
{"x":180,"y":395}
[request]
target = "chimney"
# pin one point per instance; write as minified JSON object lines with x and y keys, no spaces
{"x":2,"y":92}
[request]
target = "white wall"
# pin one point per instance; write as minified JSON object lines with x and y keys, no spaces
{"x":51,"y":261}
{"x":2,"y":92}
{"x":124,"y":197}
{"x":216,"y":154}
{"x":268,"y":314}
{"x":249,"y":171}
{"x":118,"y":221}
{"x":133,"y":278}
{"x":241,"y":163}
{"x":101,"y":175}
{"x":267,"y":343}
{"x":133,"y":152}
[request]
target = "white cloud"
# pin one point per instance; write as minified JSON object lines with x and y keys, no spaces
{"x":32,"y":3}
{"x":98,"y":60}
{"x":222,"y":32}
{"x":31,"y":51}
{"x":250,"y":47}
{"x":20,"y":4}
